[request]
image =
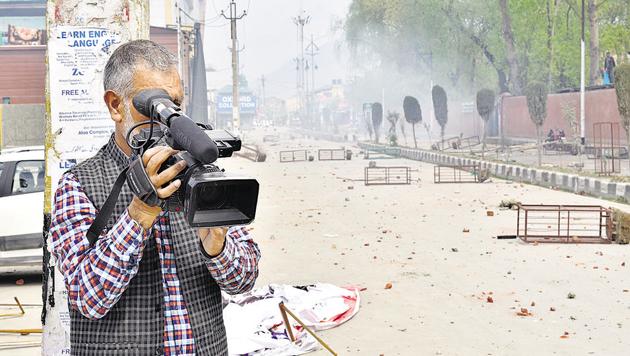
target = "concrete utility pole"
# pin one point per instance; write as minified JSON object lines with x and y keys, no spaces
{"x":180,"y":56}
{"x":582,"y":85}
{"x":236,"y":116}
{"x":300,"y":21}
{"x":81,"y":37}
{"x":312,"y":50}
{"x":262,"y":94}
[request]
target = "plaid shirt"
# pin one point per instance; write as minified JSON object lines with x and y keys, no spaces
{"x":97,"y":277}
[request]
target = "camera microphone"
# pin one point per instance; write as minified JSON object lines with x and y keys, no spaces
{"x":193,"y":139}
{"x":158,"y":105}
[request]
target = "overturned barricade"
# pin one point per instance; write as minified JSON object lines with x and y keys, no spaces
{"x":252,"y":153}
{"x":564,"y":224}
{"x":457,"y":143}
{"x":460,"y":173}
{"x":387,"y":175}
{"x":294,"y":156}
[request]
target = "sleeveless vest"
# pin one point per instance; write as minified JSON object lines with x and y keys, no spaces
{"x":135,"y":324}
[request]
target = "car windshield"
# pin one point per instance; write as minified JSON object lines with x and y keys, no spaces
{"x":29,"y":177}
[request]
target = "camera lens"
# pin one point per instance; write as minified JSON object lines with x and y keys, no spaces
{"x":212,"y":196}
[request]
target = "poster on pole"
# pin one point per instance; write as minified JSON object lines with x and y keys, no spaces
{"x":78,"y":116}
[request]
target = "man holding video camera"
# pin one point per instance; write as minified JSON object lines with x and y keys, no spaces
{"x":150,"y":284}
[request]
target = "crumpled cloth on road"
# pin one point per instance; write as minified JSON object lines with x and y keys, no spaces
{"x":255,"y":326}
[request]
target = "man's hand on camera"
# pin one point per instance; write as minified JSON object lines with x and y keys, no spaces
{"x":212,"y":239}
{"x":153,"y":159}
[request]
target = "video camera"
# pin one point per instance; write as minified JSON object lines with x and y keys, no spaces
{"x":208,"y":196}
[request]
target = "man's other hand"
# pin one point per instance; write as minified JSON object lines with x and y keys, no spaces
{"x":212,"y":239}
{"x":153,"y":159}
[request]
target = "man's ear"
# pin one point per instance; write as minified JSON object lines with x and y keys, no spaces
{"x":115,"y":106}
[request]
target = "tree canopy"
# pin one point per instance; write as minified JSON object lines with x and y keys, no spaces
{"x":469,"y":44}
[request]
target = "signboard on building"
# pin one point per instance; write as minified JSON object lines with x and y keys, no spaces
{"x":25,"y":36}
{"x":247,"y":103}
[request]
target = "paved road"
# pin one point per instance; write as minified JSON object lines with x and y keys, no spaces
{"x":318,"y":222}
{"x":28,"y":293}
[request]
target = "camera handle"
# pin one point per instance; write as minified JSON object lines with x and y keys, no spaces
{"x":140,"y":185}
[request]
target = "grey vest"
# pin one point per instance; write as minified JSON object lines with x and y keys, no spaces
{"x":135,"y":324}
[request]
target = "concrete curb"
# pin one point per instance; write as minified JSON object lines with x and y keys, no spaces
{"x":597,"y":187}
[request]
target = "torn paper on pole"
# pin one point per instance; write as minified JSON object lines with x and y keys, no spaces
{"x":254,"y":324}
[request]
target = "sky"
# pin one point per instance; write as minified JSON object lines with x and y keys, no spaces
{"x":268,"y":35}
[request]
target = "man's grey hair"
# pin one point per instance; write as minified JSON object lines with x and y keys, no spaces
{"x":131,"y":56}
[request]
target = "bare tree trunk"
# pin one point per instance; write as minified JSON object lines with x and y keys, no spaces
{"x":551,"y":31}
{"x":483,"y":140}
{"x":539,"y":144}
{"x":402,"y":131}
{"x":508,"y":38}
{"x":593,"y":42}
{"x":413,"y":129}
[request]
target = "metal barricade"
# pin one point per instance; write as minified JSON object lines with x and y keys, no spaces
{"x":387,"y":175}
{"x":564,"y":223}
{"x":606,"y":148}
{"x":459,"y":143}
{"x":252,"y":153}
{"x":293,"y":156}
{"x":463,"y":173}
{"x":335,"y":154}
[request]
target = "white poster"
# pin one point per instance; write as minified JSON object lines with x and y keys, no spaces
{"x":79,"y":117}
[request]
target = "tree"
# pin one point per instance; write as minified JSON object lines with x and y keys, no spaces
{"x":367,"y":119}
{"x":377,"y":118}
{"x":393,"y":118}
{"x":413,"y":114}
{"x":508,"y":38}
{"x":485,"y":106}
{"x":569,"y":114}
{"x":440,"y":107}
{"x":536,"y":93}
{"x":622,"y":88}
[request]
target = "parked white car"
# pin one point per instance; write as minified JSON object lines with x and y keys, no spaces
{"x":21,"y":208}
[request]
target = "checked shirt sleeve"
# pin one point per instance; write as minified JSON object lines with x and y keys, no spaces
{"x":95,"y":277}
{"x":235,"y":269}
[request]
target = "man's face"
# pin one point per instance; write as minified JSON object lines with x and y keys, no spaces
{"x":152,"y":79}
